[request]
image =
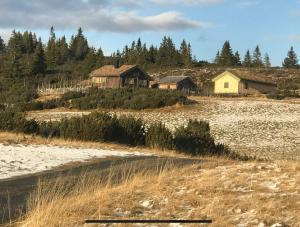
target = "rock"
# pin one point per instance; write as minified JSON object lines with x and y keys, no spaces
{"x":238,"y":211}
{"x":261,"y":224}
{"x":277,"y":225}
{"x":147,"y":204}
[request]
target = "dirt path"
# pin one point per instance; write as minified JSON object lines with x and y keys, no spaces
{"x":14,"y":192}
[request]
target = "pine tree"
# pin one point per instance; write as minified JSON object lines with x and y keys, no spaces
{"x":167,"y":53}
{"x":79,"y":46}
{"x":28,"y":42}
{"x":152,"y":55}
{"x":226,"y":56}
{"x":247,"y":60}
{"x":291,"y":61}
{"x":13,"y":59}
{"x":217,"y":58}
{"x":38,"y":62}
{"x":62,"y":51}
{"x":267,"y":61}
{"x":257,"y":62}
{"x":51,"y":57}
{"x":237,"y":59}
{"x":2,"y":45}
{"x":100,"y":58}
{"x":185,"y":53}
{"x":126,"y":54}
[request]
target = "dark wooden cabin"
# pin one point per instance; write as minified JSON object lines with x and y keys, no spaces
{"x":110,"y":76}
{"x":183,"y":83}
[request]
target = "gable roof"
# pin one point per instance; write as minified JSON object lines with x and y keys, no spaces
{"x":173,"y":79}
{"x":247,"y":76}
{"x":111,"y":70}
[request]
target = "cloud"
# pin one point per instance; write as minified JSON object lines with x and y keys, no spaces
{"x":187,"y":2}
{"x":99,"y":15}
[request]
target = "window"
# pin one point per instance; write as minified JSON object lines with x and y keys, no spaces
{"x":226,"y":85}
{"x":246,"y":85}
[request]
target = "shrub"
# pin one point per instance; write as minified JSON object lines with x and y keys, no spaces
{"x":72,"y":95}
{"x":12,"y":120}
{"x":131,"y":131}
{"x":158,"y":136}
{"x":282,"y":94}
{"x":126,"y":98}
{"x":2,"y":107}
{"x":195,"y":138}
{"x":49,"y":129}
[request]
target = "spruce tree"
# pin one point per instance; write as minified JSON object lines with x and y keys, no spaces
{"x":257,"y":61}
{"x":291,"y":61}
{"x":237,"y":59}
{"x":217,"y":58}
{"x":167,"y":53}
{"x":79,"y":46}
{"x":267,"y":61}
{"x":62,"y":51}
{"x":100,"y":58}
{"x":51,"y":57}
{"x":247,"y":60}
{"x":226,"y":56}
{"x":185,"y":53}
{"x":152,"y":55}
{"x":2,"y":45}
{"x":14,"y":67}
{"x":38,"y":62}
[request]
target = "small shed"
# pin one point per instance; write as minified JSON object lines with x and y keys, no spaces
{"x":184,"y":83}
{"x":110,"y":76}
{"x":243,"y":83}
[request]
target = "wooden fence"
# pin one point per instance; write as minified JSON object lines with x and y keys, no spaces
{"x":63,"y":87}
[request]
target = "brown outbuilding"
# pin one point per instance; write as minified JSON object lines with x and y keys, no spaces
{"x":110,"y":76}
{"x":183,"y":83}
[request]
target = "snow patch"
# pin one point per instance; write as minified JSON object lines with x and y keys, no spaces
{"x":20,"y":159}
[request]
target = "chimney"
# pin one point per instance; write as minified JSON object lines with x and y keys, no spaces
{"x":117,"y":64}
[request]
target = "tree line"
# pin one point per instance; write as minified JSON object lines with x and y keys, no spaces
{"x":226,"y":57}
{"x":26,"y":55}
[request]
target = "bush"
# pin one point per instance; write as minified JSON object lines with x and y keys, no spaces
{"x":158,"y":136}
{"x":12,"y":120}
{"x":282,"y":94}
{"x":131,"y":131}
{"x":125,"y":98}
{"x":49,"y":129}
{"x":196,"y":139}
{"x":72,"y":95}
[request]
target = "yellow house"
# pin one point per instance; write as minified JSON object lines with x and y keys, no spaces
{"x":237,"y":82}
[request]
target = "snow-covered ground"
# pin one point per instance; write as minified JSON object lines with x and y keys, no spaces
{"x":262,"y":128}
{"x":20,"y":159}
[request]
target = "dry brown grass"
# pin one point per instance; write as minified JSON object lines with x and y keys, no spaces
{"x":44,"y":98}
{"x":228,"y":192}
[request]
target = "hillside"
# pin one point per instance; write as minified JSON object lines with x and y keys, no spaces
{"x":286,"y":78}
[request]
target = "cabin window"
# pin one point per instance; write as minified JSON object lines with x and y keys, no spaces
{"x":246,"y":85}
{"x":99,"y":80}
{"x":226,"y":85}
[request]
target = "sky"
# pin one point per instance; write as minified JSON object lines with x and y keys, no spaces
{"x":206,"y":24}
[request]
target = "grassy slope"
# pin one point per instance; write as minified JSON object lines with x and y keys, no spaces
{"x":228,"y":192}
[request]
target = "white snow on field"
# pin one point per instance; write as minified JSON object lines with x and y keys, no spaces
{"x":20,"y":159}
